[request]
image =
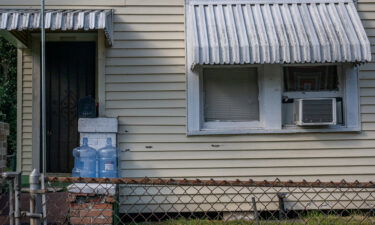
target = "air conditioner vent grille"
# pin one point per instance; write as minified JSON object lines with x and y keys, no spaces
{"x":317,"y":111}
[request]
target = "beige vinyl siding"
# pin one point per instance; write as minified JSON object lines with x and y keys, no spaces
{"x":145,"y":87}
{"x":25,"y":98}
{"x":145,"y":80}
{"x":26,"y":110}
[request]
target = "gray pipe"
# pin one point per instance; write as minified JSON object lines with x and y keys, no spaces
{"x":15,"y":185}
{"x":34,"y":213}
{"x":43,"y":86}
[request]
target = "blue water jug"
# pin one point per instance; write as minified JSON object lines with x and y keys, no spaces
{"x":107,"y":158}
{"x":84,"y":160}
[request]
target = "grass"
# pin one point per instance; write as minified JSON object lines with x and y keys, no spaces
{"x":314,"y":219}
{"x":325,"y":221}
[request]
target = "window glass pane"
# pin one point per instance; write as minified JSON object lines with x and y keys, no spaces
{"x":317,"y":78}
{"x":230,"y":94}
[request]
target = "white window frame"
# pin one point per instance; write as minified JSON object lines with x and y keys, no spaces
{"x":317,"y":94}
{"x":348,"y":91}
{"x":271,"y":90}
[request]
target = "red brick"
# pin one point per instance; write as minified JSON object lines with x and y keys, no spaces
{"x":81,"y":205}
{"x":91,"y":220}
{"x":107,"y":213}
{"x":89,"y":213}
{"x":96,"y":213}
{"x":73,"y":213}
{"x":107,"y":220}
{"x":110,"y":199}
{"x":79,"y":220}
{"x":97,"y":199}
{"x":71,"y":198}
{"x":102,"y":206}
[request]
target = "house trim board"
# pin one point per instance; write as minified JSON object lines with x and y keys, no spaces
{"x":19,"y":107}
{"x":36,"y":111}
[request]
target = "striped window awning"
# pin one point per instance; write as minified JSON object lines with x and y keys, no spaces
{"x":58,"y":20}
{"x":276,"y":31}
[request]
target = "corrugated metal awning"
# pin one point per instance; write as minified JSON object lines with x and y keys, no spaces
{"x":276,"y":31}
{"x":58,"y":20}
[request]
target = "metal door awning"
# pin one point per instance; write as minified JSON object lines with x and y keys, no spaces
{"x":276,"y":31}
{"x":21,"y":20}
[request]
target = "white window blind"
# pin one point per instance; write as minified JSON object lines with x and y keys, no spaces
{"x":230,"y":94}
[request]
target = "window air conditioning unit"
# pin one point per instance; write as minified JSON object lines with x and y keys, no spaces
{"x":315,"y":111}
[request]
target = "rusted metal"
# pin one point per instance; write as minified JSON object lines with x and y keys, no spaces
{"x":212,"y":182}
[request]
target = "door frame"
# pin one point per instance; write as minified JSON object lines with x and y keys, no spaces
{"x":97,"y":37}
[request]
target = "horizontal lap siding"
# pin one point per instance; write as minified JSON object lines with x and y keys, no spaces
{"x":367,"y":74}
{"x":146,"y":89}
{"x":145,"y":73}
{"x":26,"y":119}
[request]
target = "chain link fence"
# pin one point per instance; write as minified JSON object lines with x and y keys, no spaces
{"x":181,"y":201}
{"x":5,"y":194}
{"x":62,"y":200}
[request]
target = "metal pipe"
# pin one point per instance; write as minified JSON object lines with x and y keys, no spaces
{"x":11,"y":202}
{"x":17,"y":199}
{"x":43,"y":85}
{"x":256,"y":215}
{"x":15,"y":179}
{"x":44,"y":200}
{"x":282,"y":211}
{"x":34,"y":188}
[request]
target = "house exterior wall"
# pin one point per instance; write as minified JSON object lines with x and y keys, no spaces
{"x":24,"y":108}
{"x":145,"y":87}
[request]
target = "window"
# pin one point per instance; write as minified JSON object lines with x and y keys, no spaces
{"x":294,"y":80}
{"x":229,"y":98}
{"x":263,"y":99}
{"x":312,"y":82}
{"x":311,"y":78}
{"x":230,"y":95}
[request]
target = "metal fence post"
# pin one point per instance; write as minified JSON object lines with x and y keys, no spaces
{"x":35,"y":210}
{"x":15,"y":186}
{"x":255,"y":210}
{"x":11,"y":202}
{"x":282,"y":211}
{"x":17,"y":198}
{"x":44,"y":200}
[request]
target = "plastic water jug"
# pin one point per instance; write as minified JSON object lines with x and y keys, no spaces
{"x":84,"y":160}
{"x":107,"y":158}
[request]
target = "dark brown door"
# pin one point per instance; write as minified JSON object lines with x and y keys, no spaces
{"x":70,"y":75}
